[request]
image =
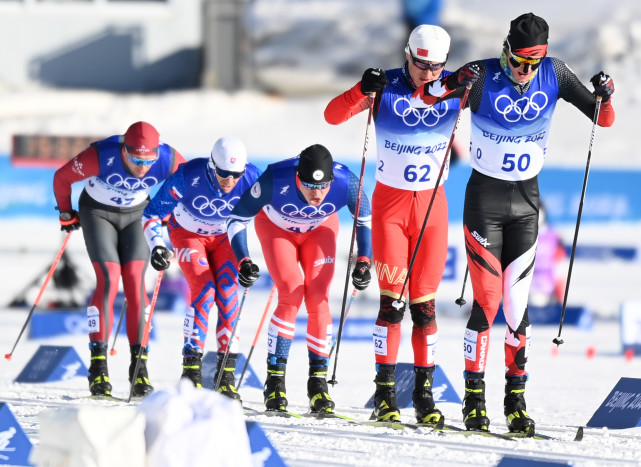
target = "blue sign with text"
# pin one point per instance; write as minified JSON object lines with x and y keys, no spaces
{"x":52,"y":363}
{"x":442,"y":388}
{"x":46,"y":324}
{"x":622,"y":407}
{"x":27,"y":191}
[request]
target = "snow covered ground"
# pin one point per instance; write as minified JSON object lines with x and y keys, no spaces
{"x":565,"y":387}
{"x":565,"y":390}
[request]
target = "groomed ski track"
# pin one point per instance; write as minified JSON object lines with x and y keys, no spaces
{"x":351,"y":444}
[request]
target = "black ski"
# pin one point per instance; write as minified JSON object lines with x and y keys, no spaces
{"x":329,"y":415}
{"x":394,"y":425}
{"x":529,"y":435}
{"x":280,"y":413}
{"x":109,"y":398}
{"x":250,"y":411}
{"x":579,"y":434}
{"x":455,"y":430}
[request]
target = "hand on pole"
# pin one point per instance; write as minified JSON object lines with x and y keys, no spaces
{"x":468,"y":75}
{"x":160,"y":258}
{"x":374,"y":80}
{"x":361,"y":276}
{"x":69,"y":221}
{"x":603,"y":85}
{"x":248,"y":273}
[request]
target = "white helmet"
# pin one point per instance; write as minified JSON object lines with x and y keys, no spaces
{"x":429,"y":43}
{"x":229,"y":153}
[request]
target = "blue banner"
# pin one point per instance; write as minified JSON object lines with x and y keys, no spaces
{"x":611,"y":194}
{"x":442,"y":388}
{"x":26,"y":191}
{"x":622,"y":407}
{"x":53,"y":363}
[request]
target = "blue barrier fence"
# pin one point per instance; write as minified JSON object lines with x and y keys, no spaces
{"x":612,"y":194}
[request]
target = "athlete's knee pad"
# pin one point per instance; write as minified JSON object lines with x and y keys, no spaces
{"x":387,"y":311}
{"x":423,"y":313}
{"x":478,"y":320}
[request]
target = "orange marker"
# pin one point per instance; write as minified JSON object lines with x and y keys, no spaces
{"x":591,"y":352}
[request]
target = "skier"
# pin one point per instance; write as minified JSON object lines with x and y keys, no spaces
{"x":295,"y":204}
{"x":511,"y":106}
{"x":198,"y":198}
{"x":120,"y":171}
{"x":411,"y":147}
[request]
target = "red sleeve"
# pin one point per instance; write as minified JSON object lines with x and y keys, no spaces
{"x":178,"y":159}
{"x":343,"y":107}
{"x":606,"y":113}
{"x":81,"y":167}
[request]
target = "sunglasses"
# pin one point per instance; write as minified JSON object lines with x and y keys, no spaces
{"x":315,"y":186}
{"x":139,"y":162}
{"x":227,"y":173}
{"x":516,"y":60}
{"x":423,"y":65}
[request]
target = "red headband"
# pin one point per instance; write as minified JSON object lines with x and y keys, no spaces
{"x":534,"y":51}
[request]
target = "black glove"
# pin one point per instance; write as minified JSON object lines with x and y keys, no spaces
{"x":160,"y":258}
{"x":69,"y":221}
{"x":374,"y":80}
{"x":248,"y":273}
{"x":603,"y":85}
{"x":468,"y":75}
{"x":361,"y":277}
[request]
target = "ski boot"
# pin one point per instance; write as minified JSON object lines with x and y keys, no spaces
{"x":99,"y":384}
{"x":317,"y":391}
{"x":141,"y":386}
{"x":517,"y":419}
{"x":227,"y":386}
{"x":474,"y":412}
{"x":275,"y":397}
{"x":424,"y":407}
{"x":192,"y":366}
{"x":385,"y":405}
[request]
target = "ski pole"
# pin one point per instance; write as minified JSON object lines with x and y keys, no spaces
{"x":260,"y":326}
{"x":357,"y":211}
{"x":557,"y":340}
{"x":229,"y":344}
{"x":461,"y":301}
{"x":349,"y":306}
{"x":122,"y":313}
{"x":145,"y":334}
{"x":42,"y":289}
{"x":398,"y":304}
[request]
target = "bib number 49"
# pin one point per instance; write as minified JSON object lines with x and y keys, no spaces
{"x":513,"y":162}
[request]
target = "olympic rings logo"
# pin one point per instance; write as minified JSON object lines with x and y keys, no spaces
{"x":131,"y":183}
{"x":429,"y":116}
{"x":308,"y":212}
{"x":527,"y":108}
{"x":210,"y":207}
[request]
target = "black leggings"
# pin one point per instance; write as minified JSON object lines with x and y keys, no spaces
{"x":117,"y":247}
{"x":501,"y":229}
